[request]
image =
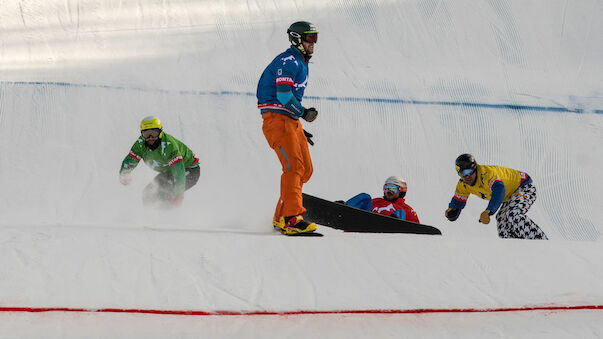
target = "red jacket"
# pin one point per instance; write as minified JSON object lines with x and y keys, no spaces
{"x":382,"y":206}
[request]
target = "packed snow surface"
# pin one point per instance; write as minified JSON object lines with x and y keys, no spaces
{"x":402,"y":88}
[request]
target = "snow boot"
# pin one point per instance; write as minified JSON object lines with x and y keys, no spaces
{"x":294,"y":224}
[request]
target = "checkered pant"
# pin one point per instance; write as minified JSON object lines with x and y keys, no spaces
{"x":512,"y":220}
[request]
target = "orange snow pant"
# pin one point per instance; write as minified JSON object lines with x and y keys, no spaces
{"x":286,"y":137}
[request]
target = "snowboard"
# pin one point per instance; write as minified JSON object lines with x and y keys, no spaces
{"x":350,"y":219}
{"x":304,"y":234}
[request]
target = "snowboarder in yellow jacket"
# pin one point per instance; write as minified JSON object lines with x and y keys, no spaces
{"x":510,"y":192}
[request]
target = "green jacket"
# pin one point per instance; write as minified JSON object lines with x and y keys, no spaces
{"x":171,"y":156}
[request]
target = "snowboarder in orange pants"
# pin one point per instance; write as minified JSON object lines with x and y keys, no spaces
{"x":286,"y":137}
{"x":280,"y":92}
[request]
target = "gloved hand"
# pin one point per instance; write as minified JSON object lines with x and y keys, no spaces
{"x":310,"y":114}
{"x":125,"y":178}
{"x":394,"y":215}
{"x":452,"y":214}
{"x":309,"y":137}
{"x":484,"y":218}
{"x":177,"y":201}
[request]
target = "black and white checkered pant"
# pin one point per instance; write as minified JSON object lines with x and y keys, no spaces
{"x":511,"y":219}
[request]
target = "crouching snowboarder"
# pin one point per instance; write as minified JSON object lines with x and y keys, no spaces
{"x":177,"y":165}
{"x":510,"y":192}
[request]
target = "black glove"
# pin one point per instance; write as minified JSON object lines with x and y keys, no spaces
{"x":310,"y":114}
{"x":452,"y":214}
{"x":309,"y":137}
{"x":394,"y":215}
{"x":340,"y":202}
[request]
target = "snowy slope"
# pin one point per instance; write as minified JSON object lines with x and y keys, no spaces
{"x":402,"y":88}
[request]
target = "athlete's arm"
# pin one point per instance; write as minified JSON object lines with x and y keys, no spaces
{"x":458,"y":202}
{"x":498,"y":195}
{"x":132,"y":159}
{"x":284,"y":94}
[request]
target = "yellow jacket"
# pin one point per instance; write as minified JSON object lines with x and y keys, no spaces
{"x":487,"y":177}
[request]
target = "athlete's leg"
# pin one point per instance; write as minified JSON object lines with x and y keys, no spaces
{"x":282,"y":136}
{"x":192,"y":176}
{"x":362,"y":201}
{"x":503,"y":224}
{"x":161,"y":188}
{"x":519,"y":224}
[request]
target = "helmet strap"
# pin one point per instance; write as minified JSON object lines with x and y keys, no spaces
{"x":296,"y":41}
{"x":301,"y":48}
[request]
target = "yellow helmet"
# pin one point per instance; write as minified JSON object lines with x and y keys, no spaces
{"x":150,"y":122}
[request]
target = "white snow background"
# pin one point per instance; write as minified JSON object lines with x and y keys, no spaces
{"x":402,"y":88}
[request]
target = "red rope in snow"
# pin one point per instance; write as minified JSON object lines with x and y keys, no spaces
{"x":240,"y":313}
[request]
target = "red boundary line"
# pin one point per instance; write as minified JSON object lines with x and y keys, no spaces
{"x":302,"y":312}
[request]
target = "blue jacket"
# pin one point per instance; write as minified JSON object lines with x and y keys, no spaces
{"x":281,"y":87}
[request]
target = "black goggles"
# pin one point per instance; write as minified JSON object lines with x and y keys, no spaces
{"x":150,"y":133}
{"x":307,"y":37}
{"x":310,"y":37}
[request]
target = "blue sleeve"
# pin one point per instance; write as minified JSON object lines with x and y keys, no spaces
{"x":287,"y":99}
{"x":362,"y":201}
{"x":284,"y":85}
{"x":498,"y":195}
{"x":400,"y":214}
{"x":457,"y":205}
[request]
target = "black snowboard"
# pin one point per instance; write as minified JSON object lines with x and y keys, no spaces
{"x":342,"y":217}
{"x":305,"y":234}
